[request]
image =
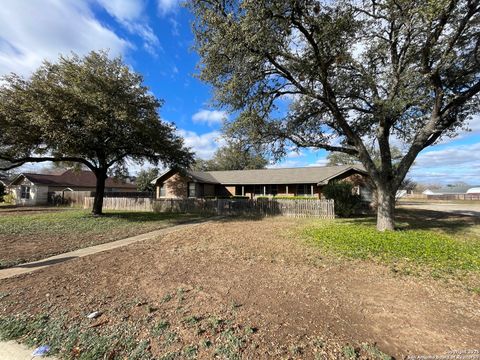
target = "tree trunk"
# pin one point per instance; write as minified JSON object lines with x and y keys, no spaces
{"x":99,"y":192}
{"x":385,"y":209}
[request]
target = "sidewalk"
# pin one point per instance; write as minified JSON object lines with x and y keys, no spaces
{"x":40,"y":264}
{"x":11,"y":350}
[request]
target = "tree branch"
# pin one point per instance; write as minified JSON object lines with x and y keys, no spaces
{"x":21,"y":161}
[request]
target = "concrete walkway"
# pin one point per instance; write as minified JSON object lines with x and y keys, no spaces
{"x":11,"y":350}
{"x":40,"y":264}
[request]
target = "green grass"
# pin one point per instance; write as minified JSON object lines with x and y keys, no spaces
{"x":30,"y":237}
{"x":438,"y":249}
{"x":74,"y":340}
{"x":61,"y":222}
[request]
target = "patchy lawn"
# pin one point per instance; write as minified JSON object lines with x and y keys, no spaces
{"x":235,"y":289}
{"x":426,"y":240}
{"x":28,"y":236}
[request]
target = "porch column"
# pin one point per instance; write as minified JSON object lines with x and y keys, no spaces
{"x":311,"y":188}
{"x":286,"y":189}
{"x":264,"y":190}
{"x":243,"y":190}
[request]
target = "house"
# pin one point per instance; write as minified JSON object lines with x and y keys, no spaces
{"x":304,"y":181}
{"x":38,"y":189}
{"x":473,"y":190}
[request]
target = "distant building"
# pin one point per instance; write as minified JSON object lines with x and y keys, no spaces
{"x":453,"y":190}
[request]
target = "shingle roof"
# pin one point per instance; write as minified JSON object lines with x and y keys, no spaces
{"x":300,"y":175}
{"x":70,"y":178}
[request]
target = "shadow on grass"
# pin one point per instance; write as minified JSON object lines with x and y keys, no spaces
{"x":138,"y":216}
{"x":419,"y":219}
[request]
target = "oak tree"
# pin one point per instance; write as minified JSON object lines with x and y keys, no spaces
{"x":353,"y":72}
{"x":91,"y":110}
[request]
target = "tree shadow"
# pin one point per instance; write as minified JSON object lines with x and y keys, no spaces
{"x":140,"y":216}
{"x":419,"y":219}
{"x":45,"y":262}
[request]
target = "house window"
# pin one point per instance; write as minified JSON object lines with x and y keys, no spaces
{"x":258,"y":189}
{"x":303,"y":189}
{"x":191,"y":189}
{"x":272,"y":190}
{"x":239,"y":190}
{"x":25,"y":192}
{"x":162,"y":190}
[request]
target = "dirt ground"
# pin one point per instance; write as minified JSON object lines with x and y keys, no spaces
{"x":297,"y":301}
{"x":470,"y":208}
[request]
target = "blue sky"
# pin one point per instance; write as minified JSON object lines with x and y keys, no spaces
{"x":155,"y":39}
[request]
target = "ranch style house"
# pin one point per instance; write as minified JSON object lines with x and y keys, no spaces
{"x":287,"y":182}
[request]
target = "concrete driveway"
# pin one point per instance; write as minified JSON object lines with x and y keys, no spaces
{"x":466,"y":208}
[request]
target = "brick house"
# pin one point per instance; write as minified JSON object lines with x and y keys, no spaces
{"x":304,"y":181}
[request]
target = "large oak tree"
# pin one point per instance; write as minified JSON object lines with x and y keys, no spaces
{"x":354,"y":72}
{"x":91,"y":110}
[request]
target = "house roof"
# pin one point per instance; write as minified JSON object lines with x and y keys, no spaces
{"x":448,"y":190}
{"x":4,"y":180}
{"x":70,"y":178}
{"x":300,"y":175}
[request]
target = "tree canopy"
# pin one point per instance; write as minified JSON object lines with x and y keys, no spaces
{"x":145,"y":178}
{"x":233,"y":156}
{"x":91,"y":110}
{"x":354,"y":73}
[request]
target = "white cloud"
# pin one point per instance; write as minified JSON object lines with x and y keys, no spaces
{"x":126,"y":10}
{"x":319,"y":162}
{"x":294,"y":154}
{"x":130,"y":14}
{"x":210,"y":117}
{"x":166,"y":6}
{"x":175,"y":27}
{"x":34,"y":30}
{"x":455,"y":155}
{"x":455,"y":163}
{"x":203,"y":145}
{"x":286,"y":164}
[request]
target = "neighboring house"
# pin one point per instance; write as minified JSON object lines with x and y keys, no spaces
{"x":306,"y":181}
{"x":473,"y":190}
{"x":448,"y":190}
{"x":36,"y":189}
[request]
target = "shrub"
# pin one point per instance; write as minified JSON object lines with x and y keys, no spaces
{"x":9,"y":199}
{"x":2,"y":192}
{"x":346,"y":202}
{"x":283,"y":197}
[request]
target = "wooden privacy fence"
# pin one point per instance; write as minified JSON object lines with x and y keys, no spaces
{"x":263,"y":207}
{"x":128,"y":204}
